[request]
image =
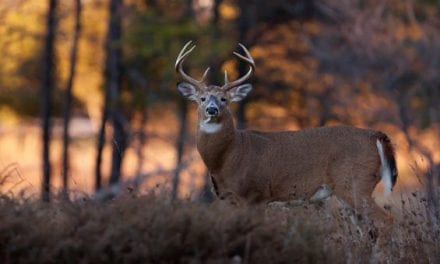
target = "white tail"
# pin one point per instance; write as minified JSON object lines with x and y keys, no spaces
{"x":385,"y":170}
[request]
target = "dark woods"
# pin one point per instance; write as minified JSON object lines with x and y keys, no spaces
{"x":318,"y":63}
{"x":97,"y":148}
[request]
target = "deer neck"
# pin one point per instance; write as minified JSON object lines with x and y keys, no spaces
{"x":214,"y":140}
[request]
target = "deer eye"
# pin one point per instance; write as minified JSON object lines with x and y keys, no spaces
{"x":223,"y":99}
{"x":202,"y":99}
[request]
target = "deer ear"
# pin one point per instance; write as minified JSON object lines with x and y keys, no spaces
{"x":187,"y":90}
{"x":240,"y":92}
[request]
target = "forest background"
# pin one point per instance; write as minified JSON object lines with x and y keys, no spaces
{"x":88,"y":88}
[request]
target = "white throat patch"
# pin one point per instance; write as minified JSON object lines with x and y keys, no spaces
{"x":209,"y":127}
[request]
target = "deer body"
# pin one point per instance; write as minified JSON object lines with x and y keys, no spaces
{"x":279,"y":166}
{"x":253,"y":167}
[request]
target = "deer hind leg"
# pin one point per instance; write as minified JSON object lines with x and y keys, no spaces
{"x":366,"y":209}
{"x":381,"y":234}
{"x":381,"y":220}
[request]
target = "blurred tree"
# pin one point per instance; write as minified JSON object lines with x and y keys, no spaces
{"x":245,"y":22}
{"x":46,"y":91}
{"x":155,"y":34}
{"x":216,"y":35}
{"x":113,"y":78}
{"x":392,"y":50}
{"x":183,"y":117}
{"x":365,"y":63}
{"x":20,"y":53}
{"x":180,"y":143}
{"x":258,"y":18}
{"x":68,"y":97}
{"x":139,"y":103}
{"x":22,"y":24}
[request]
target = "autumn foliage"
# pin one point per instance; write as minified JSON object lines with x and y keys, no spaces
{"x":367,"y":63}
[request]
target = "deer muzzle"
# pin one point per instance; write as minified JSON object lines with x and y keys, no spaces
{"x":212,"y":109}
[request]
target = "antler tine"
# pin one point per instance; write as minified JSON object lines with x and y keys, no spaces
{"x":205,"y":74}
{"x":248,"y":58}
{"x":179,"y":66}
{"x":180,"y":58}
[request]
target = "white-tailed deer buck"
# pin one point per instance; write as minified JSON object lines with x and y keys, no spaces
{"x":256,"y":166}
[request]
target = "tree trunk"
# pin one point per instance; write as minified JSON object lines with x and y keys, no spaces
{"x":142,"y":140}
{"x":180,"y":142}
{"x":113,"y":73}
{"x":114,"y":80}
{"x":46,"y":102}
{"x":244,"y":23}
{"x":68,"y":98}
{"x":119,"y":144}
{"x":142,"y":134}
{"x":100,"y":146}
{"x":215,"y":63}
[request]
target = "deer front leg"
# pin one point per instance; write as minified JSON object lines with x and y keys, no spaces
{"x":230,"y":198}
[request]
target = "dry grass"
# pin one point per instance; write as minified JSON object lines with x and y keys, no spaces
{"x":150,"y":229}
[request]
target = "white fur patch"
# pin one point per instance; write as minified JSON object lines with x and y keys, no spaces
{"x":322,"y":193}
{"x":385,"y":171}
{"x":210,"y":128}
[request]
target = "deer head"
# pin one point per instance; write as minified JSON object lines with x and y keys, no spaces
{"x":212,"y":100}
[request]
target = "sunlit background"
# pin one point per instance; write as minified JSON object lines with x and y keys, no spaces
{"x":367,"y":63}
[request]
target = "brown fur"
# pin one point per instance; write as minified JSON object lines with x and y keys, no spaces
{"x":253,"y":167}
{"x":257,"y":166}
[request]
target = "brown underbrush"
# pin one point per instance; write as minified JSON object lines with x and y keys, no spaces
{"x":151,"y":229}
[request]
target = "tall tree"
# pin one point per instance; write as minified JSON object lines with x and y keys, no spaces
{"x":139,"y":80}
{"x":100,"y":146}
{"x":183,"y":113}
{"x":244,"y":23}
{"x":113,"y":76}
{"x":48,"y":84}
{"x":180,"y":142}
{"x":215,"y":61}
{"x":68,"y":97}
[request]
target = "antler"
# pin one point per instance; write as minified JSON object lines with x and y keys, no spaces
{"x":248,"y":58}
{"x":179,"y":68}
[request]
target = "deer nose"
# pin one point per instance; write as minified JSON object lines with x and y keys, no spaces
{"x":212,"y":111}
